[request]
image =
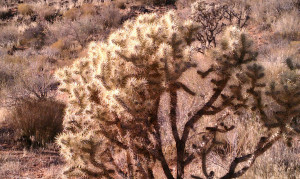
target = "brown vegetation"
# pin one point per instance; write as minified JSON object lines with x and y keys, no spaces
{"x":39,"y":37}
{"x":37,"y":122}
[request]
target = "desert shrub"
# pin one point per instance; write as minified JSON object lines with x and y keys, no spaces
{"x":83,"y":29}
{"x":32,"y":79}
{"x":59,"y":45}
{"x":2,"y":52}
{"x":88,"y":10}
{"x":27,"y":88}
{"x":47,"y":13}
{"x":25,"y":9}
{"x":88,"y":28}
{"x":60,"y":48}
{"x":9,"y":36}
{"x":5,"y":79}
{"x":34,"y":36}
{"x":121,"y":4}
{"x":266,"y":12}
{"x":287,"y":25}
{"x":237,"y":12}
{"x":213,"y":17}
{"x":3,"y":12}
{"x":72,"y":14}
{"x":6,"y":76}
{"x":6,"y":13}
{"x":110,"y":16}
{"x":210,"y":16}
{"x":184,"y":3}
{"x":157,"y":2}
{"x":50,"y":52}
{"x":285,"y":163}
{"x":37,"y":122}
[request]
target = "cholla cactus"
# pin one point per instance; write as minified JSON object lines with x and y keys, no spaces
{"x":114,"y":92}
{"x":210,"y":17}
{"x":214,"y":16}
{"x":111,"y":122}
{"x":279,"y":110}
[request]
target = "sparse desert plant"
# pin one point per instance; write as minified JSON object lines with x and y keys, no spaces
{"x":5,"y":79}
{"x":112,"y":127}
{"x":9,"y":36}
{"x":121,"y":4}
{"x":157,"y":2}
{"x":27,"y":90}
{"x":285,"y":163}
{"x":110,"y":16}
{"x":25,"y":9}
{"x":59,"y":45}
{"x":37,"y":122}
{"x":89,"y":28}
{"x":34,"y":36}
{"x":5,"y":13}
{"x":72,"y":14}
{"x":83,"y":29}
{"x":287,"y":25}
{"x":237,"y":12}
{"x":88,"y":10}
{"x":184,"y":3}
{"x":210,"y":16}
{"x":2,"y":52}
{"x":59,"y":48}
{"x":32,"y":78}
{"x":47,"y":13}
{"x":50,"y":52}
{"x":213,"y":17}
{"x":265,"y":13}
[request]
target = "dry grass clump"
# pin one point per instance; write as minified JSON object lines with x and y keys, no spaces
{"x":121,"y":4}
{"x":25,"y":9}
{"x":75,"y":13}
{"x":88,"y":10}
{"x":84,"y":29}
{"x":288,"y":25}
{"x":32,"y":78}
{"x":5,"y":79}
{"x":37,"y":122}
{"x":277,"y":163}
{"x":266,"y":12}
{"x":9,"y":36}
{"x":34,"y":36}
{"x":59,"y":45}
{"x":61,"y":48}
{"x":110,"y":17}
{"x":157,"y":2}
{"x":72,"y":14}
{"x":181,"y":4}
{"x":47,"y":13}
